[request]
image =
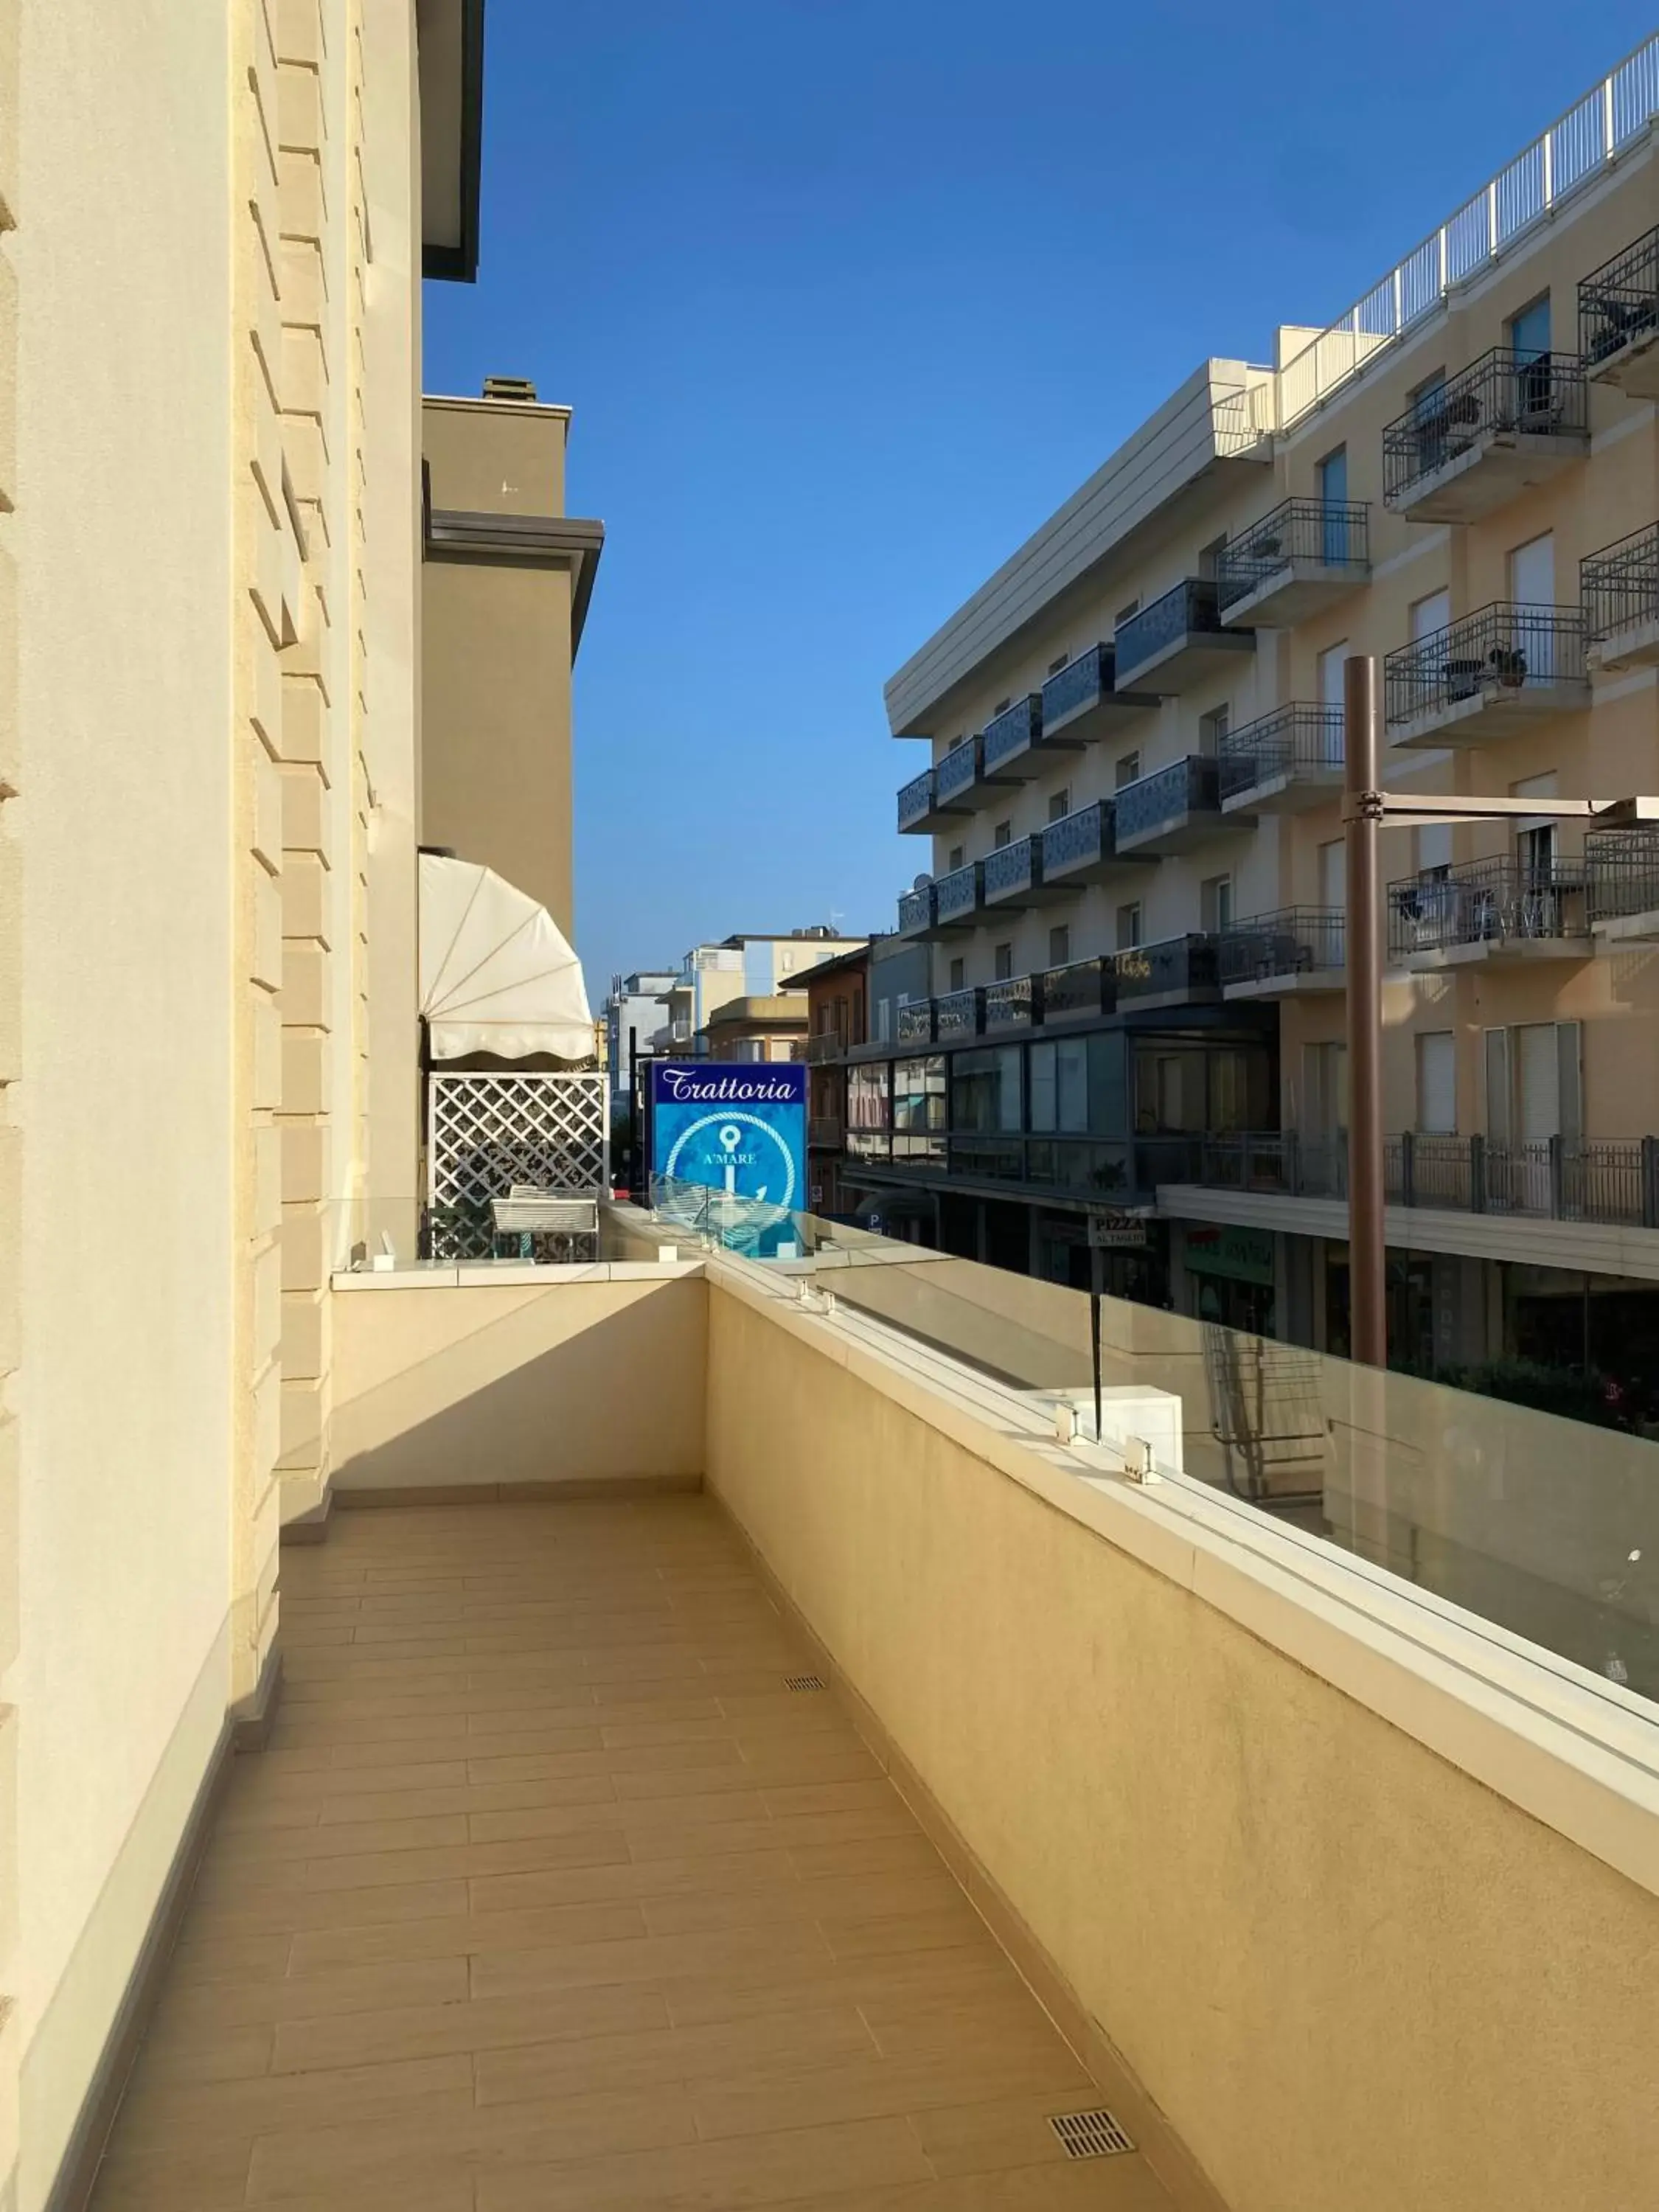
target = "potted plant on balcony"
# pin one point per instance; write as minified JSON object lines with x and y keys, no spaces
{"x":1507,"y":665}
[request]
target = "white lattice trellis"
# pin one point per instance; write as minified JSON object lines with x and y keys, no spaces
{"x":486,"y":1132}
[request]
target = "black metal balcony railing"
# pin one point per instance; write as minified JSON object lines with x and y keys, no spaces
{"x":957,"y":771}
{"x":915,"y":911}
{"x":1013,"y":868}
{"x":957,"y":895}
{"x":1192,"y":607}
{"x":1621,"y":874}
{"x":1619,"y":586}
{"x":1013,"y":1004}
{"x":1174,"y":967}
{"x":1293,"y":740}
{"x":1548,"y":1178}
{"x":1334,"y":534}
{"x":914,"y":1023}
{"x":959,"y":1014}
{"x":1018,"y":727}
{"x":1620,"y":301}
{"x":915,"y":800}
{"x":826,"y":1045}
{"x":1079,"y":839}
{"x":1486,"y":902}
{"x":1504,"y":393}
{"x":1078,"y":991}
{"x":1498,"y":649}
{"x":1167,"y":797}
{"x":1297,"y":940}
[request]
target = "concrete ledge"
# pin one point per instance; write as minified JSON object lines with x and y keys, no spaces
{"x":519,"y":1493}
{"x":311,"y":1527}
{"x":251,"y":1723}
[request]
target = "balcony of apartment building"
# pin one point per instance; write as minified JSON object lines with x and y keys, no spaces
{"x":1283,"y":763}
{"x":1619,"y":320}
{"x":1019,"y":744}
{"x":1547,"y":1179}
{"x":1081,"y":701}
{"x":1175,"y":971}
{"x":959,"y":1016}
{"x":1174,"y":809}
{"x":920,"y":807}
{"x":1014,"y":877}
{"x":1504,"y":667}
{"x":962,"y":781}
{"x":1621,"y":884}
{"x":1082,"y":848}
{"x":1296,"y":952}
{"x":1512,"y":419}
{"x":1619,"y":589}
{"x":1297,"y":560}
{"x":1508,"y":910}
{"x":948,"y":907}
{"x":1177,"y":641}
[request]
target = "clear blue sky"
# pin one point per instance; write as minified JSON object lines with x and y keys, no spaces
{"x":848,"y":294}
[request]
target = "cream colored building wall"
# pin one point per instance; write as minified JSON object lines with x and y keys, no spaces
{"x":119,"y":1528}
{"x":534,"y":1380}
{"x":1349,"y":1974}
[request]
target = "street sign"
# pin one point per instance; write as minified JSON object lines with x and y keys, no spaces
{"x":1112,"y":1230}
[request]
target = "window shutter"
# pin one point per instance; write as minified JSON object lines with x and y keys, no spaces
{"x":1498,"y":1087}
{"x":1569,"y":1045}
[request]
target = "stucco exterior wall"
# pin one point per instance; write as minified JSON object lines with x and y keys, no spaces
{"x":1347,"y":1973}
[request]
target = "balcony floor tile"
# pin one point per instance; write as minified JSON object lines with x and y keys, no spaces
{"x":547,"y":1892}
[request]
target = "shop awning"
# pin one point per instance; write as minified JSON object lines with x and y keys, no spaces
{"x":496,"y":975}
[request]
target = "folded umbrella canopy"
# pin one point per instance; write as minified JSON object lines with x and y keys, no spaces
{"x":496,"y":975}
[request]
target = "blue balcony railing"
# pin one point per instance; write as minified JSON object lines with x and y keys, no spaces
{"x":1013,"y":868}
{"x":915,"y":911}
{"x":957,"y":895}
{"x":957,"y":771}
{"x":1014,"y":730}
{"x":915,"y":800}
{"x":1191,"y":609}
{"x":1082,"y":838}
{"x":1166,"y":799}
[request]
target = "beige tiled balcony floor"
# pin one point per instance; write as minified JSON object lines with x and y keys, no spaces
{"x":549,"y":1894}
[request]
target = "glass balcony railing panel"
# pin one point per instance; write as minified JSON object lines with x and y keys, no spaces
{"x":1486,"y":902}
{"x":1621,"y":874}
{"x":1011,"y":1004}
{"x":915,"y":911}
{"x":1175,"y":967}
{"x":1078,"y":685}
{"x":1618,"y":587}
{"x":1165,"y":799}
{"x":1300,"y":739}
{"x":1015,"y":730}
{"x":1500,"y":653}
{"x":959,"y":1014}
{"x":956,"y":896}
{"x":1297,"y":940}
{"x":1012,"y":868}
{"x":1077,"y":991}
{"x":1619,"y":302}
{"x":914,"y":1022}
{"x":988,"y":1159}
{"x":1192,"y":608}
{"x":1319,"y":533}
{"x":1082,"y":838}
{"x":1504,"y":393}
{"x":957,"y":772}
{"x":915,"y":800}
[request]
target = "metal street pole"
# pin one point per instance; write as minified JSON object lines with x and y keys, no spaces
{"x":1368,"y":1310}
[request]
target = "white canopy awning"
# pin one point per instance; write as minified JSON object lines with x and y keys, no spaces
{"x":496,"y":974}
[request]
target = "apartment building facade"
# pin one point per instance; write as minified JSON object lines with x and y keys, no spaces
{"x":1134,"y":909}
{"x":725,"y":999}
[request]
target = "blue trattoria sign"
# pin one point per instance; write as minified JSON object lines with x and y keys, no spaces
{"x":731,"y":1127}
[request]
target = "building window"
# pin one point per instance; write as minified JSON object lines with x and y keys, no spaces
{"x":1060,"y":1087}
{"x":958,"y":857}
{"x":1004,"y":834}
{"x":918,"y":1110}
{"x":884,"y":1020}
{"x":1535,"y":1088}
{"x":1004,"y":960}
{"x":1128,"y":925}
{"x":1211,"y":728}
{"x":1002,"y":707}
{"x":1436,"y":1082}
{"x":1060,"y":804}
{"x":1056,"y":664}
{"x":1209,"y":557}
{"x":1325,"y":1089}
{"x":1060,"y":946}
{"x":985,"y":1091}
{"x":1529,"y":330}
{"x":1127,"y":769}
{"x":959,"y":974}
{"x":1215,"y":895}
{"x":1127,"y":614}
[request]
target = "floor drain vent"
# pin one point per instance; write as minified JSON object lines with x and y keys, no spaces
{"x":803,"y":1682}
{"x":1090,"y":2135}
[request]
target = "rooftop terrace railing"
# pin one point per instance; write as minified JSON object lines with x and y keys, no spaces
{"x":1576,"y":149}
